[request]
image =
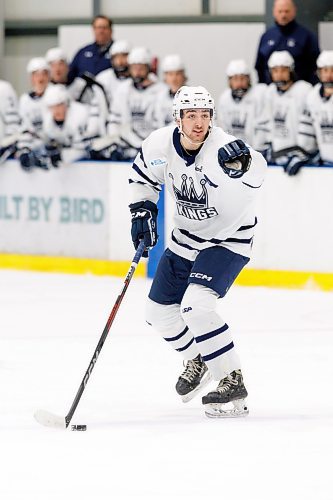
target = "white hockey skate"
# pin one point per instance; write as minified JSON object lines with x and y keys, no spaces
{"x":228,"y":400}
{"x":194,"y":378}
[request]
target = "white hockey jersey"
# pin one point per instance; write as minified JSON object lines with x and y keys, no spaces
{"x":72,"y":132}
{"x":210,"y":208}
{"x":9,"y":116}
{"x":239,"y":117}
{"x":163,"y":107}
{"x":316,"y":125}
{"x":131,"y":115}
{"x":110,"y":83}
{"x":282,"y":114}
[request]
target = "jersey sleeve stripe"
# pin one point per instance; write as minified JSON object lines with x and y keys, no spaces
{"x":144,"y":176}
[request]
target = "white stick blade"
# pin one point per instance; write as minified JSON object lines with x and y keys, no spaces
{"x":49,"y":419}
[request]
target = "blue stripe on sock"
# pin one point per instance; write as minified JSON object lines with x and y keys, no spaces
{"x":171,"y":339}
{"x":209,"y":335}
{"x":186,"y":346}
{"x":215,"y":354}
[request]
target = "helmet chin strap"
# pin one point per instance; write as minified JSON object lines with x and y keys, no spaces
{"x":188,"y":139}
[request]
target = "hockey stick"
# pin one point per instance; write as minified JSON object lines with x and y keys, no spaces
{"x":49,"y":419}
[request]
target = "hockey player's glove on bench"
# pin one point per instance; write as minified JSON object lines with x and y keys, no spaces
{"x":144,"y":224}
{"x":53,"y":153}
{"x":29,"y":159}
{"x":234,"y":158}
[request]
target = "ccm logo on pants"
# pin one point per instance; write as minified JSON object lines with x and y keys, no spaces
{"x":201,"y":276}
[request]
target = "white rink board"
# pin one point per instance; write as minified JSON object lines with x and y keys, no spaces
{"x":66,"y":211}
{"x":81,"y":210}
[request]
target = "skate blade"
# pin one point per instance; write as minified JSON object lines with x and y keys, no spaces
{"x":237,"y":408}
{"x":205,"y":381}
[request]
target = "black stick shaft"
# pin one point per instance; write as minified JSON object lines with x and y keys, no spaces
{"x":106,"y":330}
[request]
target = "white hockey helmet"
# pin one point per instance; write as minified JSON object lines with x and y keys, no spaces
{"x":192,"y":98}
{"x":281,"y":58}
{"x":139,"y":55}
{"x":325,"y":59}
{"x":237,"y":67}
{"x":172,"y":62}
{"x":56,"y":94}
{"x":55,"y":54}
{"x":37,"y":64}
{"x":120,"y":47}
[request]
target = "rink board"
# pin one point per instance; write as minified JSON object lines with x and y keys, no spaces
{"x":76,"y":219}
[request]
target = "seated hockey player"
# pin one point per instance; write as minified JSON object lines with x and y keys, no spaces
{"x":85,"y":89}
{"x":174,"y":77}
{"x":214,"y":180}
{"x":131,"y":117}
{"x":241,"y":104}
{"x":316,"y":125}
{"x":9,"y":120}
{"x":111,"y":78}
{"x":31,"y":104}
{"x":64,"y":135}
{"x":285,"y":102}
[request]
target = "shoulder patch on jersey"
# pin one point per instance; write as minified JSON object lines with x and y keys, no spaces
{"x":158,"y":162}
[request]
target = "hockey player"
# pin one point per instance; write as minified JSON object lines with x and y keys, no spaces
{"x":285,"y":102}
{"x":31,"y":103}
{"x":174,"y":77}
{"x":9,"y":120}
{"x":316,"y":125}
{"x":131,"y":117}
{"x":64,"y":133}
{"x":213,"y":179}
{"x":111,"y":78}
{"x":85,"y":89}
{"x":241,"y":104}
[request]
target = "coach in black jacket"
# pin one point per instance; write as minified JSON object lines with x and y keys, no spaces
{"x":288,"y":35}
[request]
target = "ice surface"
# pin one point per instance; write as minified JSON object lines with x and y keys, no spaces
{"x":142,"y":442}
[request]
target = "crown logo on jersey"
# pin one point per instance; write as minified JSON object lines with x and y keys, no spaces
{"x":326,"y":122}
{"x":280,"y":117}
{"x":191,"y":203}
{"x":187,"y":194}
{"x":237,"y":123}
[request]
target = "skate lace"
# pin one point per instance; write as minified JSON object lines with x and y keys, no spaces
{"x":192,"y":370}
{"x":226,"y":384}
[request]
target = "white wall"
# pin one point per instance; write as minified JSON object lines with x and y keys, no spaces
{"x":326,"y":36}
{"x":134,"y":8}
{"x":35,"y":9}
{"x":205,"y":47}
{"x":237,"y":7}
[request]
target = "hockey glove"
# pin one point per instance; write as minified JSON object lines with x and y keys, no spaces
{"x":30,"y":159}
{"x":144,"y":224}
{"x":53,"y":153}
{"x":234,"y":158}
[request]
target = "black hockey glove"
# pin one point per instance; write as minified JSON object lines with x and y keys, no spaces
{"x":234,"y":158}
{"x":53,"y":153}
{"x":29,"y":159}
{"x":144,"y":224}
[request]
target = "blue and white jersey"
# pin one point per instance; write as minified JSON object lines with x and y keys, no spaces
{"x":316,"y":125}
{"x":9,"y":116}
{"x":132,"y":112}
{"x":163,"y":107}
{"x":282,"y":113}
{"x":210,"y":208}
{"x":239,"y":117}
